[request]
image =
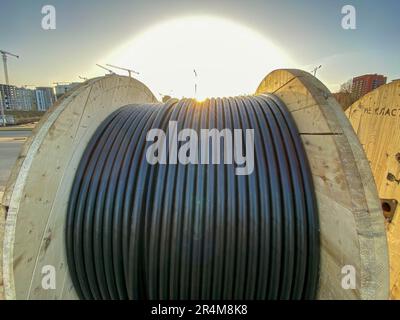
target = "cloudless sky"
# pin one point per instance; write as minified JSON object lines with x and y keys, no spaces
{"x":309,"y":30}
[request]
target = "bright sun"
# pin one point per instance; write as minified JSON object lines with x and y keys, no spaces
{"x":229,"y":59}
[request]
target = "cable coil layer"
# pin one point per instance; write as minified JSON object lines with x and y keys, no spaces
{"x":137,"y":230}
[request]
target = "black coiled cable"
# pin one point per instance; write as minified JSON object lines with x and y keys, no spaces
{"x":194,"y":231}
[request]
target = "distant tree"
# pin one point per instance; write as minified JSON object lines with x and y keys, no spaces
{"x":345,"y":96}
{"x":347,"y":86}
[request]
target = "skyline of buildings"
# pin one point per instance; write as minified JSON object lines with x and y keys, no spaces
{"x":353,"y":89}
{"x":42,"y":98}
{"x":14,"y":98}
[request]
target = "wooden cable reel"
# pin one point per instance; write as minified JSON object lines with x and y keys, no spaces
{"x":376,"y":120}
{"x":351,"y":223}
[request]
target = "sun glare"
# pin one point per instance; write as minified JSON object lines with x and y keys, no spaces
{"x":200,"y":57}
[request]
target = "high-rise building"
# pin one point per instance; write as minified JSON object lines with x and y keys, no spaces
{"x":44,"y":98}
{"x":13,"y":98}
{"x":25,"y":99}
{"x":61,"y":89}
{"x":8,"y":96}
{"x":366,"y":83}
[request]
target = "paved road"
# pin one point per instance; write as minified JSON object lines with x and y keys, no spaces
{"x":10,"y":146}
{"x":15,"y":134}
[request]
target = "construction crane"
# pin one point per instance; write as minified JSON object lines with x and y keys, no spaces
{"x":5,"y":54}
{"x":314,"y":71}
{"x":109,"y":70}
{"x":125,"y":69}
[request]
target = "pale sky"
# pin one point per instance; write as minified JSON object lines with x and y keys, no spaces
{"x":303,"y":33}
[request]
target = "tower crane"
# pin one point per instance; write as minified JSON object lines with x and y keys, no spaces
{"x":314,"y":71}
{"x":4,"y":55}
{"x":125,"y":69}
{"x":109,"y":70}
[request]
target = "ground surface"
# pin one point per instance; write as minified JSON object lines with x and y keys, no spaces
{"x":10,"y":145}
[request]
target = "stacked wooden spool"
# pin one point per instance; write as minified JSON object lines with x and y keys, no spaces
{"x":35,"y":202}
{"x":376,"y":120}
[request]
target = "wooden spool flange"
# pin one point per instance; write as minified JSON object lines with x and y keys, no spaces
{"x":352,"y":228}
{"x":37,"y":193}
{"x":376,"y":120}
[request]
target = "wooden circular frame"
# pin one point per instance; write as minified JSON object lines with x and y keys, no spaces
{"x":37,"y":193}
{"x":376,"y":119}
{"x":351,"y":223}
